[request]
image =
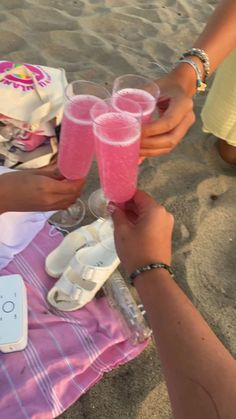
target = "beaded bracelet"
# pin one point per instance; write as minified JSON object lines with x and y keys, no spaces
{"x":149,"y":267}
{"x":203,"y":57}
{"x":200,"y":86}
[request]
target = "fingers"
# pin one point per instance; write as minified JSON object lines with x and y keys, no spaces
{"x":178,"y":107}
{"x":148,"y":152}
{"x":162,"y":141}
{"x":59,"y":204}
{"x":57,"y":195}
{"x":75,"y":186}
{"x":51,"y":170}
{"x":143,"y":201}
{"x":66,"y":187}
{"x":140,"y":203}
{"x":54,"y":173}
{"x":119,"y":217}
{"x":163,"y":144}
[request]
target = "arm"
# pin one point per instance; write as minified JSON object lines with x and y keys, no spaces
{"x":199,"y":371}
{"x":218,"y":39}
{"x":36,"y":191}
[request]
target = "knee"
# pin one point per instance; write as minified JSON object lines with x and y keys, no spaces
{"x":227,"y":152}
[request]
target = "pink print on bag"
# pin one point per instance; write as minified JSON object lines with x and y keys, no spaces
{"x":20,"y":78}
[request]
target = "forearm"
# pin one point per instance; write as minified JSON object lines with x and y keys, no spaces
{"x":200,"y":373}
{"x":218,"y":39}
{"x":2,"y":208}
{"x":219,"y":36}
{"x":4,"y":201}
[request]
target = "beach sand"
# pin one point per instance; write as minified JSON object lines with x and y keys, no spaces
{"x":99,"y":40}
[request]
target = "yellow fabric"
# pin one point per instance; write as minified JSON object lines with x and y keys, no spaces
{"x":219,"y":112}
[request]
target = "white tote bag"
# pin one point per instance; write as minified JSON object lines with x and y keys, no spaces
{"x":31,"y":94}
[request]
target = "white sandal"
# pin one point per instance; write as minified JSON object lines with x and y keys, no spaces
{"x":58,"y":260}
{"x":85,"y":275}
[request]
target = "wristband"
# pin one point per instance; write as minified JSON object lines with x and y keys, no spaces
{"x":200,"y":86}
{"x":149,"y":267}
{"x":203,"y":57}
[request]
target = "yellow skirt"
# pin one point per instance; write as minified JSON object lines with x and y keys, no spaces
{"x":219,"y":112}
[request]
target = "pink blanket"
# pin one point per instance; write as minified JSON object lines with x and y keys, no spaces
{"x":66,"y":353}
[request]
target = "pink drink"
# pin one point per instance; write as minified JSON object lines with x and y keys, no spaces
{"x":117,"y":147}
{"x":143,"y":98}
{"x":76,"y":138}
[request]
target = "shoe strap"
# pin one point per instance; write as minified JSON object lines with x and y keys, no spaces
{"x":89,"y":237}
{"x":68,"y":286}
{"x":88,"y":273}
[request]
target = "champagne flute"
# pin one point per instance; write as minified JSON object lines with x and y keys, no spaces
{"x":117,"y":132}
{"x":139,"y":89}
{"x":76,"y":147}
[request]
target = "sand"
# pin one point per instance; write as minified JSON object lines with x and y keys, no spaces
{"x":99,"y":40}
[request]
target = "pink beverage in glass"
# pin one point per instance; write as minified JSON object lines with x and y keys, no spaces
{"x":143,"y":98}
{"x":76,"y":138}
{"x":117,"y":142}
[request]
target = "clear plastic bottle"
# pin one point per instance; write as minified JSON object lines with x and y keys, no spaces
{"x":121,"y":299}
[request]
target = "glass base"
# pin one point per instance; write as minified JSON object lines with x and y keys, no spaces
{"x":97,"y":204}
{"x":69,"y":218}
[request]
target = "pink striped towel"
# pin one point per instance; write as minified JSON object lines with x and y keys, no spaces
{"x":67,"y":352}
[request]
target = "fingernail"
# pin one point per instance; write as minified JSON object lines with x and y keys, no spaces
{"x":111,"y":208}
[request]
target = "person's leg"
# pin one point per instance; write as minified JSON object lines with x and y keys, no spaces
{"x":219,"y":111}
{"x":227,"y":152}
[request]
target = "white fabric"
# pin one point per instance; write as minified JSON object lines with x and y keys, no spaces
{"x":38,"y":89}
{"x":18,"y":229}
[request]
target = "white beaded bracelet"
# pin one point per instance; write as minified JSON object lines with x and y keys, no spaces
{"x":203,"y":57}
{"x":200,"y":86}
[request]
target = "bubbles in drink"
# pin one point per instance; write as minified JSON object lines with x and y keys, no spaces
{"x":144,"y":98}
{"x":76,"y":138}
{"x":117,"y":148}
{"x":118,"y":129}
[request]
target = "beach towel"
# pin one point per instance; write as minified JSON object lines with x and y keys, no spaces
{"x":219,"y":112}
{"x":67,"y":352}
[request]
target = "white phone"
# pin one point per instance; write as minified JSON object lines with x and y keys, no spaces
{"x":13,"y":314}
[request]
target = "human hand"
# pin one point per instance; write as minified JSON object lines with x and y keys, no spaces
{"x":143,"y":232}
{"x":51,"y":170}
{"x":175,"y":107}
{"x":26,"y":191}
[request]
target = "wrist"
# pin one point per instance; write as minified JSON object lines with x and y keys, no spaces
{"x":185,"y":76}
{"x":134,"y":265}
{"x":149,"y":277}
{"x":150,"y":267}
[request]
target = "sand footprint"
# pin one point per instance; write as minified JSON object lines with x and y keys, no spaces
{"x":212,"y":192}
{"x":211,"y":263}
